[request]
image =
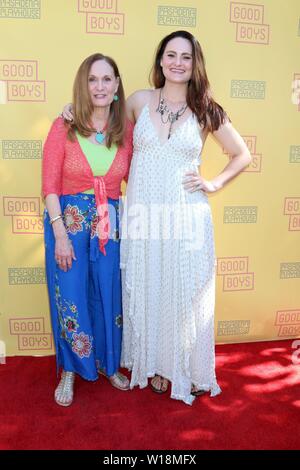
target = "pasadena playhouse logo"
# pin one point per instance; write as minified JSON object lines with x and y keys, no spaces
{"x":24,"y":213}
{"x":256,"y":161}
{"x":248,"y":89}
{"x":22,"y":9}
{"x":249,"y":20}
{"x":240,"y":215}
{"x":30,"y":333}
{"x":21,"y":149}
{"x":292,"y":209}
{"x":19,"y":81}
{"x":294,"y":154}
{"x":176,"y":16}
{"x":102,"y":16}
{"x":235,"y":272}
{"x":288,"y":322}
{"x":21,"y":276}
{"x":290,"y":270}
{"x":233,"y":327}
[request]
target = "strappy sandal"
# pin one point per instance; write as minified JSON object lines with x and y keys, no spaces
{"x":163,"y":384}
{"x":64,"y":392}
{"x":117,"y":380}
{"x":197,"y":392}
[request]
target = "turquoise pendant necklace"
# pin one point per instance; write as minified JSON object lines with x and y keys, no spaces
{"x":100,"y":137}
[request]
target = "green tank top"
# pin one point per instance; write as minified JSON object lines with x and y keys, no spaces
{"x":99,"y":157}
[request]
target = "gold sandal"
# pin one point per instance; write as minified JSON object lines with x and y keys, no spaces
{"x":64,"y":392}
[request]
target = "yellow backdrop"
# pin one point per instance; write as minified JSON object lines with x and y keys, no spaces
{"x":252,"y":56}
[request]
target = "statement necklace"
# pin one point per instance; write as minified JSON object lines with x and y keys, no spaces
{"x":166,"y":115}
{"x":100,"y":137}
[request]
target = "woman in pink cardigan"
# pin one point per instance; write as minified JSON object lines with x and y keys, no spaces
{"x":84,"y":164}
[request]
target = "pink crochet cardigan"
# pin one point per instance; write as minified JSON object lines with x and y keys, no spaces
{"x":65,"y":170}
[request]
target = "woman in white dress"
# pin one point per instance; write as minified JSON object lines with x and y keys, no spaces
{"x":167,"y":248}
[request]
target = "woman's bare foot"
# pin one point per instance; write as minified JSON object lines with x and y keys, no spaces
{"x":159,"y":384}
{"x":197,"y":392}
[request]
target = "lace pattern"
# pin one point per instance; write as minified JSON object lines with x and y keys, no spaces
{"x":169,"y":284}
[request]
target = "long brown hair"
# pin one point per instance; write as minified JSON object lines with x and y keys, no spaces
{"x":83,"y":106}
{"x":210,"y":114}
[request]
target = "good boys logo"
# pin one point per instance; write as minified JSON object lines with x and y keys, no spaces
{"x":249,"y":20}
{"x":235,"y":272}
{"x":288,"y":322}
{"x":20,"y":80}
{"x":292,"y":209}
{"x":25,"y":214}
{"x":30,"y":333}
{"x":296,"y":90}
{"x":102,"y":16}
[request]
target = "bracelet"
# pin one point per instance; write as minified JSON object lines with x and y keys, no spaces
{"x":54,"y":219}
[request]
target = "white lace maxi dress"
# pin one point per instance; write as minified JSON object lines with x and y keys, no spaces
{"x":168,"y":264}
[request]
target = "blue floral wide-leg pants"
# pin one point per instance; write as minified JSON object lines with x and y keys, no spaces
{"x":85,"y":302}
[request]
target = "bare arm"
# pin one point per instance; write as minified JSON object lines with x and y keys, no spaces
{"x":135,"y":104}
{"x":64,"y":252}
{"x":232,"y":142}
{"x":52,"y":165}
{"x":67,"y":112}
{"x":240,"y":158}
{"x":130,"y":105}
{"x":54,"y":209}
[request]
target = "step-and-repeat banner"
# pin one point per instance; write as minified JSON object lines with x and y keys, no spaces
{"x":252,"y":55}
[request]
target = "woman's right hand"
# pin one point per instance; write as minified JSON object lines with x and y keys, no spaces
{"x":67,"y":112}
{"x":64,"y":253}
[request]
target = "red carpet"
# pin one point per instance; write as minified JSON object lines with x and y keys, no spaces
{"x":258,"y":409}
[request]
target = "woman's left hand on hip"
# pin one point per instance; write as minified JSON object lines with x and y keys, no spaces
{"x":192,"y":182}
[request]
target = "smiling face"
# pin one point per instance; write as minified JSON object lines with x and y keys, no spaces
{"x":177,"y":60}
{"x":102,"y":84}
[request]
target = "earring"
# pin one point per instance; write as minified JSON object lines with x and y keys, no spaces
{"x":116,"y":98}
